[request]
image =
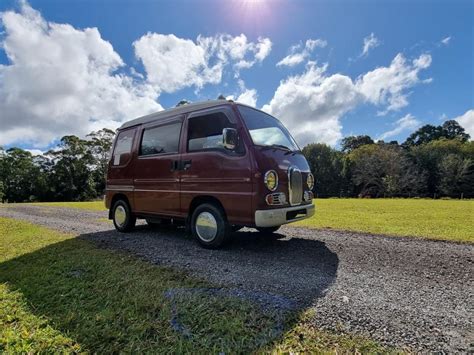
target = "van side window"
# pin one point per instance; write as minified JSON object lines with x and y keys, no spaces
{"x":205,"y":132}
{"x":161,"y":140}
{"x":123,"y":147}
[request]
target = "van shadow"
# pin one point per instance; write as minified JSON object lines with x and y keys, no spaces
{"x":298,"y":268}
{"x":58,"y":285}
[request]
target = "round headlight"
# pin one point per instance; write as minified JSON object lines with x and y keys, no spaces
{"x":271,"y":180}
{"x":310,"y":181}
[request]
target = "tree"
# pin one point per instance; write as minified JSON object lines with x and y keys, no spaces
{"x":70,"y":174}
{"x":424,"y":135}
{"x":428,"y":133}
{"x":428,"y":158}
{"x":350,"y":143}
{"x":100,"y":144}
{"x":19,"y":175}
{"x":384,"y":170}
{"x":327,"y":167}
{"x":453,"y":130}
{"x":456,"y":176}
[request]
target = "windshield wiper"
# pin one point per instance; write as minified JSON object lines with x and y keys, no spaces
{"x":280,"y":146}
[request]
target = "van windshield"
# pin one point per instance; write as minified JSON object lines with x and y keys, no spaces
{"x":266,"y":130}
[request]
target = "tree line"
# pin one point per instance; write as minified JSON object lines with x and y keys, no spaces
{"x":434,"y":161}
{"x":74,"y":170}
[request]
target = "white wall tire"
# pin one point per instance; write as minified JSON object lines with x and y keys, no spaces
{"x":124,"y":220}
{"x":209,"y":226}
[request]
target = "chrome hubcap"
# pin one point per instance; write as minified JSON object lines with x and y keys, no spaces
{"x":120,"y":216}
{"x":206,"y":226}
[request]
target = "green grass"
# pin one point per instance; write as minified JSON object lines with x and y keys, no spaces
{"x":434,"y":219}
{"x":63,"y":294}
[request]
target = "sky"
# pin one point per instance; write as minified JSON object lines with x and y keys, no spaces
{"x":326,"y":69}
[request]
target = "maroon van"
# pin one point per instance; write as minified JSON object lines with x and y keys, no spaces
{"x":217,"y":166}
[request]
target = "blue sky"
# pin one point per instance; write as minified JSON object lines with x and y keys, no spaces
{"x":433,"y":80}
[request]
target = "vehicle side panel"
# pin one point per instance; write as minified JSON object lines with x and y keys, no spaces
{"x":220,"y":175}
{"x":120,"y":177}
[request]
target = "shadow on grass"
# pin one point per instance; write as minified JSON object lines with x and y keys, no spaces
{"x":111,"y":301}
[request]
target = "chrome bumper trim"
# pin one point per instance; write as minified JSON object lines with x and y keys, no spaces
{"x":277,"y":217}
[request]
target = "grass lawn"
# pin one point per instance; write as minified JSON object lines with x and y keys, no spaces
{"x":62,"y":294}
{"x":434,"y":219}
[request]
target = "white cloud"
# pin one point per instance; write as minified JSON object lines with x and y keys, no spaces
{"x":298,"y":53}
{"x":387,"y":86}
{"x":35,"y":152}
{"x":404,"y":124}
{"x":264,"y":47}
{"x":370,"y":42}
{"x":445,"y":41}
{"x":246,"y":96}
{"x":467,"y":121}
{"x":173,"y":63}
{"x":312,"y":104}
{"x":62,"y":80}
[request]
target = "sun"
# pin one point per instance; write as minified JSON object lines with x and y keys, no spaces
{"x":252,"y":2}
{"x":251,"y":6}
{"x":254,"y":15}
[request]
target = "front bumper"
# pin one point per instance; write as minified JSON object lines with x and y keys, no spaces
{"x":279,"y":216}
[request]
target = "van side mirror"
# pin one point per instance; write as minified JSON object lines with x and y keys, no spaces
{"x":230,"y":138}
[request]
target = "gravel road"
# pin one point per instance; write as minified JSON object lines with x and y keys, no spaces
{"x":403,"y":292}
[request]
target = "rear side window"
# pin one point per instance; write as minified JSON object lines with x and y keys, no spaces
{"x":205,"y":132}
{"x":161,"y":140}
{"x":123,"y":147}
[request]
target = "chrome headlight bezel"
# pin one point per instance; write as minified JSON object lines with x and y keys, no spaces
{"x":267,"y":179}
{"x":310,"y":181}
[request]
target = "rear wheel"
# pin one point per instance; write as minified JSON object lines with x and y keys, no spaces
{"x":209,"y":226}
{"x":124,"y":220}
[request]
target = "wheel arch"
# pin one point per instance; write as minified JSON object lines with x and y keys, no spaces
{"x":199,"y":200}
{"x":115,"y":198}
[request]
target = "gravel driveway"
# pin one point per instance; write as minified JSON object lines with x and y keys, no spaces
{"x":402,"y":292}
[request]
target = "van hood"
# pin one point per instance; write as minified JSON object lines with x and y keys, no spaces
{"x":279,"y":159}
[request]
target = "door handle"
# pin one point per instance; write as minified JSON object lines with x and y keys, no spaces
{"x":185,"y":164}
{"x":174,"y":165}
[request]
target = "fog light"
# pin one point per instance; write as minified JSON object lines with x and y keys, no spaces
{"x":276,"y":199}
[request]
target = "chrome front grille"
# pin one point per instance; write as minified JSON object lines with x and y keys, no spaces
{"x":295,"y":186}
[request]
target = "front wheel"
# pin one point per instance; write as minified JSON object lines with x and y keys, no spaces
{"x":124,"y":220}
{"x":209,"y":226}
